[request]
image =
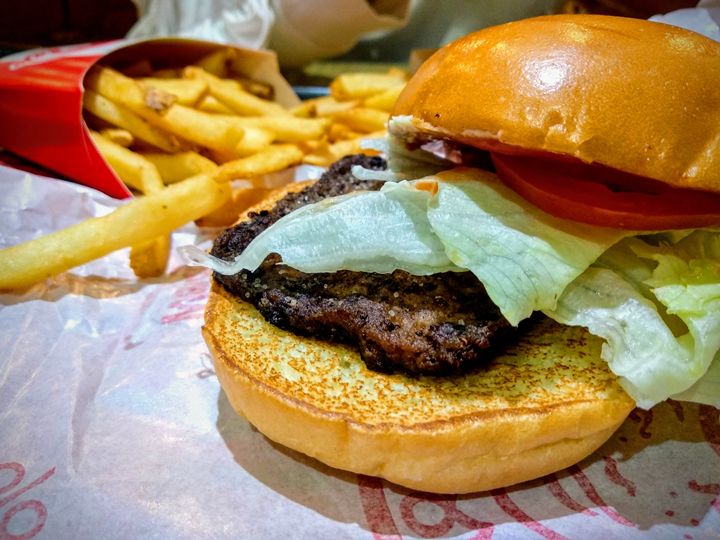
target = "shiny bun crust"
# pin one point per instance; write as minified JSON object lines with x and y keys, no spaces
{"x":638,"y":96}
{"x":545,"y":404}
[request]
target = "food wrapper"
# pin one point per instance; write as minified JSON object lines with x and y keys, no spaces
{"x":704,"y":19}
{"x":299,"y":32}
{"x":41,"y":99}
{"x":113,"y":425}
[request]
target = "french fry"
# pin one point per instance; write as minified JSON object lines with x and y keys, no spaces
{"x":187,"y":91}
{"x":176,"y":167}
{"x":139,"y":220}
{"x":185,"y":122}
{"x":275,"y":157}
{"x":398,"y":72}
{"x":166,"y":73}
{"x":362,"y":85}
{"x":363,"y":119}
{"x":233,"y":95}
{"x":121,"y":89}
{"x":287,"y":129}
{"x":149,"y":258}
{"x":209,"y":104}
{"x":119,"y":136}
{"x":217,"y":62}
{"x":98,"y":124}
{"x":124,"y":118}
{"x":198,"y":127}
{"x":384,"y":101}
{"x":255,"y":139}
{"x":305,"y":110}
{"x":257,"y":88}
{"x":323,"y":106}
{"x":133,"y":169}
{"x":219,"y":158}
{"x":310,"y":147}
{"x":341,"y":132}
{"x":329,"y":106}
{"x":326,"y":155}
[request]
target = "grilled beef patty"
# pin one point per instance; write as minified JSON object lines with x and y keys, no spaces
{"x":439,"y":324}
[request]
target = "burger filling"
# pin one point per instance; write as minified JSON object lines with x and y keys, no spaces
{"x":436,"y":324}
{"x":653,"y":296}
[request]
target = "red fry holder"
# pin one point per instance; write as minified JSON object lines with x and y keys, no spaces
{"x":41,"y":99}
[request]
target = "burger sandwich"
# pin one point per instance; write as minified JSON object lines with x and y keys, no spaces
{"x":538,"y":254}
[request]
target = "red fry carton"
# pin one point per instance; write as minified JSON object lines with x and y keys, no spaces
{"x":41,"y":99}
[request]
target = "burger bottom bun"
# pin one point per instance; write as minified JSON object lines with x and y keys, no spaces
{"x":546,"y":403}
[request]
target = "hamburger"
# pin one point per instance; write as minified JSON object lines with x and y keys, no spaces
{"x":569,"y":165}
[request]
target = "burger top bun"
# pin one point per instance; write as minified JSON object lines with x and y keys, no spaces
{"x":634,"y":95}
{"x":543,"y":404}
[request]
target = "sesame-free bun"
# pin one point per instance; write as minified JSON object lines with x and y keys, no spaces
{"x":545,"y":403}
{"x":634,"y":95}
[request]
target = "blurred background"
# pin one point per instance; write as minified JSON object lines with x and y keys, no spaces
{"x":426,"y":24}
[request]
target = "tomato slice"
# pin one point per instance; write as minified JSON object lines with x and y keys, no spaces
{"x":599,"y":195}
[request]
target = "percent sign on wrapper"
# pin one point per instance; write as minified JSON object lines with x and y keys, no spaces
{"x":33,"y":506}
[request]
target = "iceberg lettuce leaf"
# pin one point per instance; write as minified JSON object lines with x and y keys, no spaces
{"x":707,"y":389}
{"x":658,"y":307}
{"x":687,"y":281}
{"x":640,"y":348}
{"x":523,"y":256}
{"x":362,"y":231}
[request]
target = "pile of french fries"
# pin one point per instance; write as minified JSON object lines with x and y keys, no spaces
{"x":197,"y":143}
{"x":358,"y":108}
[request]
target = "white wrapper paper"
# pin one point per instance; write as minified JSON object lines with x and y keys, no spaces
{"x":704,"y":19}
{"x":298,"y":31}
{"x":113,"y":426}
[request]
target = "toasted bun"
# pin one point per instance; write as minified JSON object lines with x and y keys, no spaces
{"x":543,"y":405}
{"x":638,"y":96}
